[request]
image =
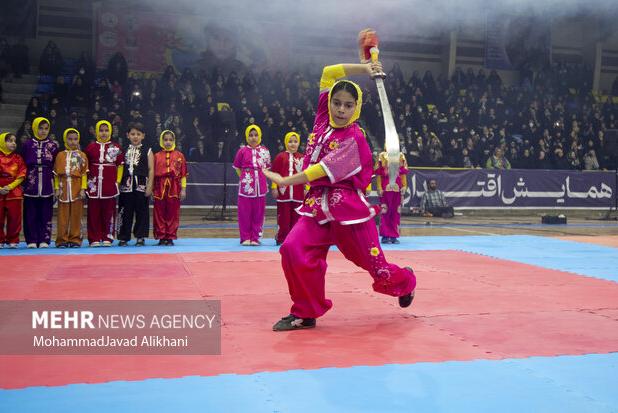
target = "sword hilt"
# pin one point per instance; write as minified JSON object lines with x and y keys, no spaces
{"x":374,"y":52}
{"x":367,"y":40}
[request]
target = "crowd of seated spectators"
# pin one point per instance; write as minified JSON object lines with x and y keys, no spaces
{"x":548,"y":120}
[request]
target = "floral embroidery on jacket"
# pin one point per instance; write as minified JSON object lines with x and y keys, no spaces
{"x":263,"y":158}
{"x":112,"y":153}
{"x":298,"y":165}
{"x":335,"y":197}
{"x":247,"y":182}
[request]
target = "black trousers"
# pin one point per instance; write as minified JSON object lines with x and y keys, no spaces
{"x":130,"y":205}
{"x":444,"y":212}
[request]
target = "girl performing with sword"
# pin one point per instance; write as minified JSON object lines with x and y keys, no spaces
{"x":338,"y":166}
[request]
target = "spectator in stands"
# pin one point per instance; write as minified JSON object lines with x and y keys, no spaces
{"x":454,"y":156}
{"x":135,"y":99}
{"x":574,"y":161}
{"x":24,"y":134}
{"x":218,"y":154}
{"x":196,"y":132}
{"x":591,"y":163}
{"x":117,"y":69}
{"x":75,"y":122}
{"x":57,"y":125}
{"x":78,"y":94}
{"x":34,"y":109}
{"x":560,"y":161}
{"x":435,"y":151}
{"x":497,"y":160}
{"x":61,"y":90}
{"x":433,"y":202}
{"x":51,"y":62}
{"x":86,"y":69}
{"x":466,"y":161}
{"x":526,"y":161}
{"x":542,"y":162}
{"x":198,"y":153}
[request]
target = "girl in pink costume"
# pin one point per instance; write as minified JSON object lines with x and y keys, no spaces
{"x":252,"y":188}
{"x":338,"y":165}
{"x":390,"y":197}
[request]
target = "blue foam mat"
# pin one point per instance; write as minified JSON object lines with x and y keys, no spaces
{"x":540,"y":384}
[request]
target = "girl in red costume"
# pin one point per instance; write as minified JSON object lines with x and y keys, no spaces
{"x":105,"y":161}
{"x":12,"y":174}
{"x":287,"y":163}
{"x":170,"y":188}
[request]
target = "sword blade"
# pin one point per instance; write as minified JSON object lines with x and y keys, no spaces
{"x":391,"y":138}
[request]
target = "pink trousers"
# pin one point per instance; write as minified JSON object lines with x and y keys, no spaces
{"x":391,"y":216}
{"x":251,"y":217}
{"x":303,"y":257}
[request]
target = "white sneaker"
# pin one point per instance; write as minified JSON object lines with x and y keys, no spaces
{"x":255,"y":243}
{"x":1,"y":246}
{"x":107,"y":243}
{"x":31,"y":245}
{"x":245,"y":242}
{"x":43,"y":245}
{"x":95,"y":244}
{"x":13,"y":245}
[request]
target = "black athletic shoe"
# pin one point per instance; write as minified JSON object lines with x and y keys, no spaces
{"x":140,"y":242}
{"x":385,"y":240}
{"x":162,"y":242}
{"x":395,"y":241}
{"x":291,"y":322}
{"x":406,"y":300}
{"x":122,"y":243}
{"x":170,"y":243}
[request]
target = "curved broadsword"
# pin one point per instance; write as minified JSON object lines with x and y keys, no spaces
{"x":391,"y":138}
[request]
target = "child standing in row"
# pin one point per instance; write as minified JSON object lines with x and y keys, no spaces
{"x":288,"y":163}
{"x":390,"y":197}
{"x":39,"y":153}
{"x":105,"y":161}
{"x":12,"y":173}
{"x":70,"y":182}
{"x":135,"y":187}
{"x":249,"y":162}
{"x":170,"y":183}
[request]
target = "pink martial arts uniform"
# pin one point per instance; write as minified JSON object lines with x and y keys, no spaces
{"x":335,"y":212}
{"x":390,"y":201}
{"x":252,"y":189}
